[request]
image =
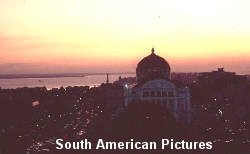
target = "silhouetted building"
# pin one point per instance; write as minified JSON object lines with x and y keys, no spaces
{"x":186,"y":78}
{"x":126,"y":80}
{"x":224,"y":92}
{"x":221,"y":77}
{"x":154,"y":86}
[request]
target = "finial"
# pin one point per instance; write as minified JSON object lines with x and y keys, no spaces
{"x":153,"y":50}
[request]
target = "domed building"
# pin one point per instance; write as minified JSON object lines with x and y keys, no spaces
{"x":152,"y":67}
{"x":154,"y":85}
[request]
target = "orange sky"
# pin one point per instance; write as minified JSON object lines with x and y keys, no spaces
{"x":46,"y":36}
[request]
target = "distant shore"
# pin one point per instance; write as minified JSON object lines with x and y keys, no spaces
{"x":57,"y":75}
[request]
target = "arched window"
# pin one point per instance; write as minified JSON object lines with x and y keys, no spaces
{"x":171,"y":94}
{"x":164,"y":94}
{"x":145,"y":94}
{"x":181,"y":106}
{"x":171,"y":104}
{"x":152,"y":94}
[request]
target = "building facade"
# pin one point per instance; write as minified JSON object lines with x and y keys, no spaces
{"x":154,"y":85}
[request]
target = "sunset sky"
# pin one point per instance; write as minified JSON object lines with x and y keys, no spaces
{"x":60,"y":36}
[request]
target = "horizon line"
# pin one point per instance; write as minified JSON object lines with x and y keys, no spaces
{"x":63,"y":75}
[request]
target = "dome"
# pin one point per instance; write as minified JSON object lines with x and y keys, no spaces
{"x":152,"y":67}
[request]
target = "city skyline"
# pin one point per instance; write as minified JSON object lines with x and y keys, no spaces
{"x":96,"y":36}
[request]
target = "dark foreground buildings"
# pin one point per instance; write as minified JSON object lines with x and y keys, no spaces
{"x":148,"y":108}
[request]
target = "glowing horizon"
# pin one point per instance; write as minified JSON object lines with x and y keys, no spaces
{"x":45,"y":36}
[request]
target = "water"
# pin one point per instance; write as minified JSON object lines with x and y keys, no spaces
{"x":91,"y":80}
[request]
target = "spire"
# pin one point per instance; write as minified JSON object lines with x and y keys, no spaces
{"x":107,"y":81}
{"x":153,"y":50}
